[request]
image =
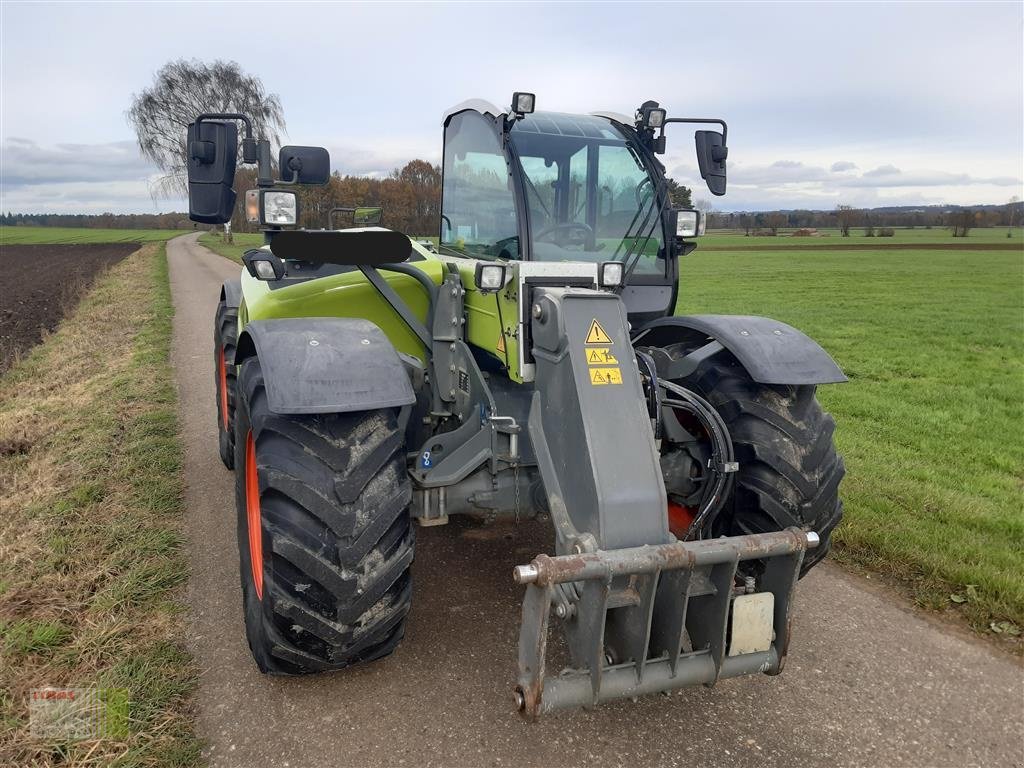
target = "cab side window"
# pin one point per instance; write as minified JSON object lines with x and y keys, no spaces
{"x":477,"y":204}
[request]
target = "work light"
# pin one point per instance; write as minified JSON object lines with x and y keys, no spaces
{"x":270,"y":207}
{"x":523,"y":103}
{"x":653,"y":117}
{"x":280,"y":208}
{"x":263,"y":264}
{"x":490,"y":277}
{"x":689,"y":223}
{"x":609,"y":274}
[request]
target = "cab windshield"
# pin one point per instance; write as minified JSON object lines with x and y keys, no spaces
{"x":588,"y":194}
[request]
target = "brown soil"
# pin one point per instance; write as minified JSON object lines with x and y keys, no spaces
{"x":833,"y":246}
{"x":41,"y":283}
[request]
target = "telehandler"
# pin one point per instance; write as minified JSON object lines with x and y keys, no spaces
{"x":529,"y":364}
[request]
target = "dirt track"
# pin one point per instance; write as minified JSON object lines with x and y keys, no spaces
{"x":41,"y":283}
{"x":868,"y":682}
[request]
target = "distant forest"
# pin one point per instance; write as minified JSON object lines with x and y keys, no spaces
{"x":411,"y":199}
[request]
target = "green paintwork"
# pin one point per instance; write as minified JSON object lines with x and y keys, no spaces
{"x":349,"y":295}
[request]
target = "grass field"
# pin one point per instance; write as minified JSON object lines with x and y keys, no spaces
{"x":831,"y":237}
{"x":91,"y":552}
{"x":71,"y":235}
{"x":931,"y":422}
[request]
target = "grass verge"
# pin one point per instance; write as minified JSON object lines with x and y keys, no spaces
{"x":92,"y":554}
{"x":242,"y":243}
{"x":931,"y":420}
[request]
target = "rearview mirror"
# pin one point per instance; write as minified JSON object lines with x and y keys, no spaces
{"x":212,"y":150}
{"x":304,"y":165}
{"x":367,"y":217}
{"x":711,"y":155}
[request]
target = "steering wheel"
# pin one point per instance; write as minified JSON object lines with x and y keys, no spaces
{"x":567,"y":226}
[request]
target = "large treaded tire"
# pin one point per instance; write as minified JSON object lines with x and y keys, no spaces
{"x":225,"y":339}
{"x":789,"y":471}
{"x":334,"y":532}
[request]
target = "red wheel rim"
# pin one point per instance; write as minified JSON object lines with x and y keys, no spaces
{"x":252,"y":511}
{"x":222,"y":380}
{"x":680,"y":519}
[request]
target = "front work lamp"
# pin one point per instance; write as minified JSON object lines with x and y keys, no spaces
{"x":489,"y":278}
{"x":610,"y":274}
{"x":523,"y":103}
{"x":263,"y":265}
{"x":690,"y":223}
{"x":271,"y":207}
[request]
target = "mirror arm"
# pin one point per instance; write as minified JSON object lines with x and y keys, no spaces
{"x":227,"y":116}
{"x":715,"y":120}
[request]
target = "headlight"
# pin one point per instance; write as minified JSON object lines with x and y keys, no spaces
{"x":280,"y":208}
{"x":609,"y":274}
{"x":271,"y":208}
{"x":689,"y":224}
{"x":490,"y":277}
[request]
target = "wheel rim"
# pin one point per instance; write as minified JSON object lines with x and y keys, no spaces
{"x":222,"y":381}
{"x":252,"y":511}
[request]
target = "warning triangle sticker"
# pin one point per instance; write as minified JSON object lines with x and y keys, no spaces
{"x":597,"y":335}
{"x":501,"y":343}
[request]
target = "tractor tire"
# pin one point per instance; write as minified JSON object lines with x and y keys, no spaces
{"x":225,"y":338}
{"x":325,"y":539}
{"x":789,"y":469}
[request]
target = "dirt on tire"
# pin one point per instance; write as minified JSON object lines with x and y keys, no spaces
{"x":42,"y":283}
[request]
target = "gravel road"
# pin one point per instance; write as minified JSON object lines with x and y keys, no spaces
{"x":868,"y":682}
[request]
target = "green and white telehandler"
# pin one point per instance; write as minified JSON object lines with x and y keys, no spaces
{"x":529,"y":364}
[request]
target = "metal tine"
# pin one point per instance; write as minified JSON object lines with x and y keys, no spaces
{"x":593,"y":612}
{"x":640,"y":642}
{"x":710,"y":628}
{"x":533,"y":642}
{"x":780,"y":578}
{"x":669,"y":616}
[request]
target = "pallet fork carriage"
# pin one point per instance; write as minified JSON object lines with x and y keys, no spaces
{"x":528,"y":364}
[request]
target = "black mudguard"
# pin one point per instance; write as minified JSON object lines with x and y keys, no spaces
{"x":772,"y":352}
{"x":326,"y":365}
{"x":231,"y":293}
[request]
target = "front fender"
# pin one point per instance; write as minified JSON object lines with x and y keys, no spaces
{"x":772,"y":352}
{"x":326,"y":365}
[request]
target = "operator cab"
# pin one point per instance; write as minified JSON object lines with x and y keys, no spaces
{"x":553,"y":187}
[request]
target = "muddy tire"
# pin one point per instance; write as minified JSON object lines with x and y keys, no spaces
{"x":324,"y":502}
{"x":789,"y":471}
{"x":225,"y":338}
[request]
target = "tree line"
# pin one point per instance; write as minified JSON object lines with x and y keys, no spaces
{"x":873,"y":222}
{"x":173,"y":220}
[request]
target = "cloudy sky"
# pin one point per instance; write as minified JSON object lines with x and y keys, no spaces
{"x":827,"y":103}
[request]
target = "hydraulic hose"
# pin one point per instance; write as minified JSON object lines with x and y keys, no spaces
{"x":717,"y":491}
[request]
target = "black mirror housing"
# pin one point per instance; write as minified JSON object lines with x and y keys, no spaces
{"x":711,"y":156}
{"x":212,"y":153}
{"x":304,"y":165}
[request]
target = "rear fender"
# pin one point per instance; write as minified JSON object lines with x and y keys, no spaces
{"x":772,"y":352}
{"x":326,"y":365}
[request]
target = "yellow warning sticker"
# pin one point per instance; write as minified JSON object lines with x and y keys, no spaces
{"x":602,"y":376}
{"x":501,"y":343}
{"x":597,"y":335}
{"x":600,"y":356}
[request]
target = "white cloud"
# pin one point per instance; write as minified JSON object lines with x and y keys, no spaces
{"x":842,"y":165}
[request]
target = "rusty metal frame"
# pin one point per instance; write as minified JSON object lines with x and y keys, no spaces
{"x":651,"y":618}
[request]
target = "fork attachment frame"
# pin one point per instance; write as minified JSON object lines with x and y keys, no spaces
{"x":652,"y":618}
